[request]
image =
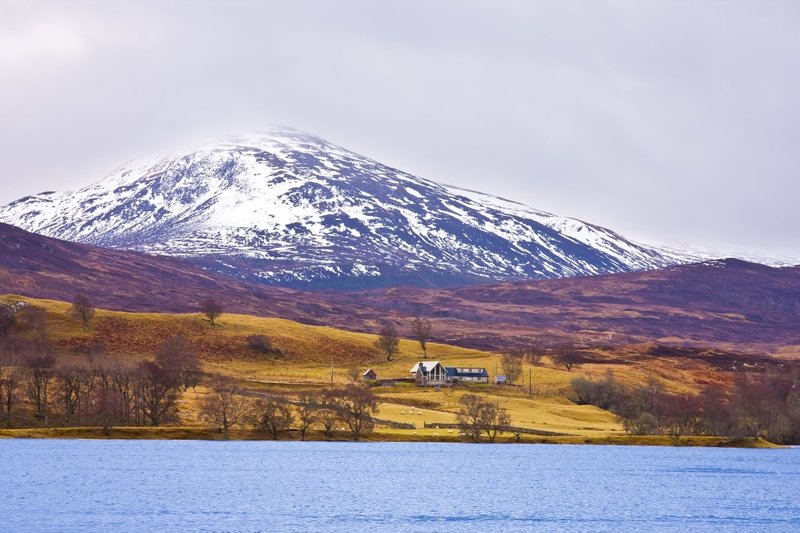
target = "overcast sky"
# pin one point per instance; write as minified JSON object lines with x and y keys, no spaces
{"x":671,"y":122}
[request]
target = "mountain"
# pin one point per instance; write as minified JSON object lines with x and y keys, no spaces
{"x":288,"y":208}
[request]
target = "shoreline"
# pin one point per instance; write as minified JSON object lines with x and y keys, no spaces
{"x":206,"y":434}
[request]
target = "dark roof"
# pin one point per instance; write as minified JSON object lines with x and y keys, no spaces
{"x":466,"y":372}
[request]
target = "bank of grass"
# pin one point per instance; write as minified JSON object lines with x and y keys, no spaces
{"x":380,"y":435}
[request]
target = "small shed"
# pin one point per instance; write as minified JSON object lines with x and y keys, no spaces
{"x":370,"y":375}
{"x":500,"y":380}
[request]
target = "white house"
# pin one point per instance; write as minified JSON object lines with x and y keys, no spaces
{"x":429,"y":372}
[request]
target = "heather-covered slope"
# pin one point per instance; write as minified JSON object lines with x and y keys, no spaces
{"x":728,"y":304}
{"x":731,"y":305}
{"x":37,"y":266}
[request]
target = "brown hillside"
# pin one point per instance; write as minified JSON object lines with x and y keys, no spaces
{"x":716,"y":311}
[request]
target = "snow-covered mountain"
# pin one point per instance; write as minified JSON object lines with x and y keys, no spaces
{"x":289,"y":208}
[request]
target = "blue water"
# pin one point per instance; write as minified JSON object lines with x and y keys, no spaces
{"x":72,"y":485}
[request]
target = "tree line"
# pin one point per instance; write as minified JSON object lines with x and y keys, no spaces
{"x":765,"y":405}
{"x":348,"y":409}
{"x":93,"y":390}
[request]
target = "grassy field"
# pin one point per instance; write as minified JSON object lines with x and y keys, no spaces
{"x":304,"y":362}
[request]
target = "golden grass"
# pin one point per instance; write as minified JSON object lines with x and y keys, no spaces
{"x":305,"y":363}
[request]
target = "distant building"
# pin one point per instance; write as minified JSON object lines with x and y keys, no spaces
{"x":477,"y":375}
{"x":434,"y":373}
{"x":370,"y":375}
{"x":500,"y":380}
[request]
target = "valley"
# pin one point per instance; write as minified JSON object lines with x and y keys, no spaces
{"x":312,"y":251}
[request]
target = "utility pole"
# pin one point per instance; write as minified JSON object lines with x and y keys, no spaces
{"x":530,"y":381}
{"x":331,"y":368}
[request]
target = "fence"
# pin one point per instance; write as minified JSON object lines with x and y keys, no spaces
{"x":392,"y":424}
{"x":506,"y":429}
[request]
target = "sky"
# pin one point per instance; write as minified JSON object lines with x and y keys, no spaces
{"x":674,"y":122}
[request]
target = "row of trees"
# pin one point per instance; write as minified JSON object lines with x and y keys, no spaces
{"x":351,"y":407}
{"x":766,"y":405}
{"x":389,"y":337}
{"x":100,"y":391}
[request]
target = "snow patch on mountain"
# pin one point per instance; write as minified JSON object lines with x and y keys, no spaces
{"x":293,"y":208}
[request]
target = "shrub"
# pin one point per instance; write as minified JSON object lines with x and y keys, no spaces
{"x":260,"y":343}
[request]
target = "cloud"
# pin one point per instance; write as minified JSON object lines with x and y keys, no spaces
{"x":41,"y":41}
{"x":667,"y":121}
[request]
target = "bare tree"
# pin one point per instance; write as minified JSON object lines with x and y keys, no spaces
{"x":178,"y":356}
{"x":38,"y":378}
{"x":512,"y":367}
{"x":470,"y":416}
{"x":224,"y":406}
{"x":388,"y":339}
{"x":307,"y":412}
{"x":422,"y":332}
{"x":108,"y":407}
{"x":74,"y":382}
{"x":114,"y":398}
{"x":9,"y":387}
{"x":478,"y":416}
{"x":532,"y":353}
{"x":356,"y":406}
{"x":328,"y":414}
{"x":211,"y":309}
{"x":568,"y":358}
{"x":159,"y":390}
{"x":275,"y":416}
{"x":494,"y":419}
{"x":82,"y":309}
{"x":679,"y":414}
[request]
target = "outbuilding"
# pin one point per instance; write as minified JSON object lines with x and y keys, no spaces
{"x":471,"y":374}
